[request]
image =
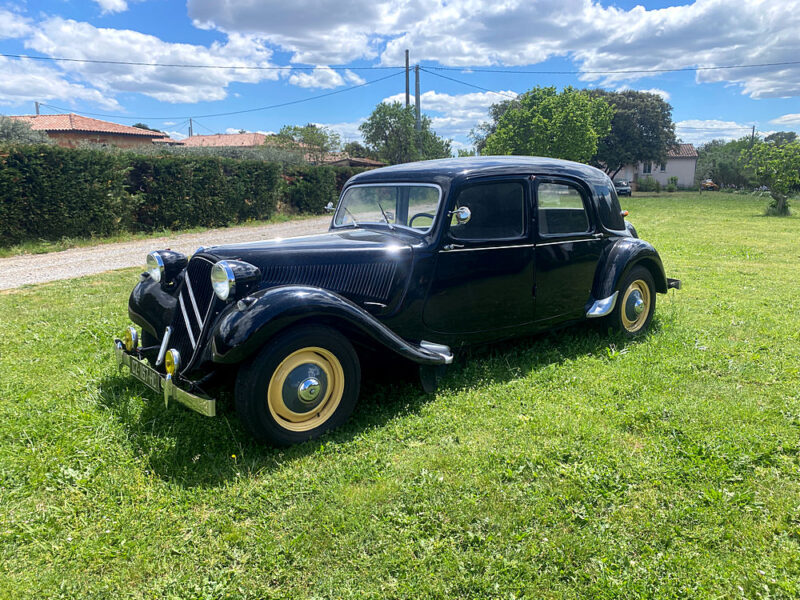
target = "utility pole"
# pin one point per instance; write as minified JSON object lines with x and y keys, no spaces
{"x":418,"y":126}
{"x":407,"y":85}
{"x":37,"y":108}
{"x":190,"y":126}
{"x":753,"y":136}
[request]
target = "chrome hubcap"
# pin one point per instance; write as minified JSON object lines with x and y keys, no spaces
{"x":308,"y":390}
{"x":638,"y":303}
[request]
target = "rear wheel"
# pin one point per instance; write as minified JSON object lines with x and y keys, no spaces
{"x":636,"y":303}
{"x":302,"y":384}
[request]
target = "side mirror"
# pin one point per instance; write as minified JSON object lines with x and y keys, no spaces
{"x":329,"y":207}
{"x":462,"y":214}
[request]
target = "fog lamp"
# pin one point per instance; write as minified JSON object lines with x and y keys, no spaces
{"x":172,"y":361}
{"x":130,"y":339}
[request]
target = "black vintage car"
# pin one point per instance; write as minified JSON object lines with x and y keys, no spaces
{"x":419,"y":258}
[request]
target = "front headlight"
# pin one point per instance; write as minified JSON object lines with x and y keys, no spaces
{"x":223,"y":280}
{"x":231,"y":278}
{"x":165,"y":265}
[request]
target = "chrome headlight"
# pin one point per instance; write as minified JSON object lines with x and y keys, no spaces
{"x":164,"y":265}
{"x":154,"y":265}
{"x":232,"y":278}
{"x":223,"y":280}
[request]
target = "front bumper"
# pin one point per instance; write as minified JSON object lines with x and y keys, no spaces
{"x":163,"y":384}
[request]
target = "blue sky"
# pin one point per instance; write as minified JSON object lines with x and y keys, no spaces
{"x":515,"y":35}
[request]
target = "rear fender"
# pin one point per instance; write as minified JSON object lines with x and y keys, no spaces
{"x":619,"y":259}
{"x":241,"y":332}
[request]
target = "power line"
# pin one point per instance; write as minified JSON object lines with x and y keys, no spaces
{"x":234,"y":112}
{"x":384,"y":67}
{"x":477,"y":87}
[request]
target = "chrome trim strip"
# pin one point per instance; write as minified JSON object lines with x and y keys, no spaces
{"x":186,"y":320}
{"x":163,"y":350}
{"x":568,"y":242}
{"x":194,"y":302}
{"x":486,"y":248}
{"x":603,"y":307}
{"x":440,"y":349}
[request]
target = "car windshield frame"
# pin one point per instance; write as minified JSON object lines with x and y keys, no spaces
{"x":347,"y":218}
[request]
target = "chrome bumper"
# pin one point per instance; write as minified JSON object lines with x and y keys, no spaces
{"x":163,"y":384}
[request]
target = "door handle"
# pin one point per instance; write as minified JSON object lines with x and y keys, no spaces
{"x":449,"y":247}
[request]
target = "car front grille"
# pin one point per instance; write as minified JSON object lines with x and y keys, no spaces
{"x":195,"y":301}
{"x":367,"y":281}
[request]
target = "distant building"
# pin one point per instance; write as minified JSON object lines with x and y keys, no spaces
{"x":226,"y":140}
{"x":69,"y":130}
{"x":681,"y":163}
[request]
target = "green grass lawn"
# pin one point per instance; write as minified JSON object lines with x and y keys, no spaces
{"x":570,"y":465}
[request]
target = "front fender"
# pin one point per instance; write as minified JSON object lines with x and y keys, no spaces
{"x":620,"y":258}
{"x":239,"y":334}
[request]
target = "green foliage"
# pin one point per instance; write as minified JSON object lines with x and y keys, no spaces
{"x":390,"y":134}
{"x":672,"y":186}
{"x":358,"y":150}
{"x":779,"y":138}
{"x":464,"y":152}
{"x":725,"y":162}
{"x":641,"y":130}
{"x":648,"y":184}
{"x":778,"y":167}
{"x":545,"y":122}
{"x":309,"y":189}
{"x":573,"y":465}
{"x":482,"y":131}
{"x":144,"y":126}
{"x":311,"y":140}
{"x":48,"y":192}
{"x":14,"y":131}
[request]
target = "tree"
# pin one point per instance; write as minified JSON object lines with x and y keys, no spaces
{"x":779,"y":138}
{"x":20,"y":132}
{"x":725,"y":162}
{"x":641,"y":130}
{"x":389,"y":132}
{"x":484,"y":130}
{"x":778,"y":167}
{"x":314,"y":141}
{"x":357,"y":150}
{"x":464,"y":152}
{"x":143,"y":126}
{"x":544,"y":122}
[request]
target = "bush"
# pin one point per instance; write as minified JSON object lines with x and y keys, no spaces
{"x":672,"y":186}
{"x":49,"y":192}
{"x":309,"y":189}
{"x":648,"y":184}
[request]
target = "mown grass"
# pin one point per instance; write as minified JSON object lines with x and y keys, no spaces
{"x":570,"y":465}
{"x":65,"y":243}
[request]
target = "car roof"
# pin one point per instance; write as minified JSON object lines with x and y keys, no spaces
{"x":478,"y":166}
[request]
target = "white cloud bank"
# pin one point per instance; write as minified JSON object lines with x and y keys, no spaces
{"x":790,"y":120}
{"x":697,"y":131}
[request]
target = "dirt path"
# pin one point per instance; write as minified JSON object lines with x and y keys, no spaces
{"x":16,"y":271}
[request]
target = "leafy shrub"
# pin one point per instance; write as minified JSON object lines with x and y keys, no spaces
{"x":672,"y":186}
{"x":648,"y":184}
{"x":309,"y":189}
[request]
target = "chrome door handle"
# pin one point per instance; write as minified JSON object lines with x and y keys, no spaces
{"x":453,"y":246}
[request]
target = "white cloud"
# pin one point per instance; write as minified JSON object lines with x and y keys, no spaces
{"x":658,"y":92}
{"x":13,"y":25}
{"x":320,"y":77}
{"x":235,"y":130}
{"x":455,"y":115}
{"x":176,"y":135}
{"x":698,"y":131}
{"x":26,"y":81}
{"x":72,"y":39}
{"x":708,"y":33}
{"x":112,"y":6}
{"x":791,"y":120}
{"x":348,"y":131}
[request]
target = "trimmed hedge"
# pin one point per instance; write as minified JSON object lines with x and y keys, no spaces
{"x":48,"y":192}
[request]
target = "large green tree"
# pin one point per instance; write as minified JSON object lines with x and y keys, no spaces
{"x":390,"y":134}
{"x":641,"y":130}
{"x":725,"y":162}
{"x":313,"y":141}
{"x":777,"y":167}
{"x":545,"y":122}
{"x":780,"y":138}
{"x":20,"y":132}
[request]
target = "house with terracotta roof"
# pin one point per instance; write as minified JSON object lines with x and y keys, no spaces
{"x":226,"y":140}
{"x":681,"y":163}
{"x":69,"y":130}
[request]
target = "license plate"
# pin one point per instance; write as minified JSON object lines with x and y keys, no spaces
{"x":150,"y":377}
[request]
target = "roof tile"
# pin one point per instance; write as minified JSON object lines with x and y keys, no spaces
{"x":73,"y":122}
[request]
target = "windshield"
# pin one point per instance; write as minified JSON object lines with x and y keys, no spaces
{"x":395,"y":204}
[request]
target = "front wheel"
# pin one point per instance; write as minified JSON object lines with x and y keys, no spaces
{"x":302,"y":384}
{"x":636,"y":303}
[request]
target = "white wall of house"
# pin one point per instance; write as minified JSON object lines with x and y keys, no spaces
{"x":682,"y":168}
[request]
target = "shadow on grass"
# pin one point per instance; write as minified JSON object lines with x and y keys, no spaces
{"x":188,"y":449}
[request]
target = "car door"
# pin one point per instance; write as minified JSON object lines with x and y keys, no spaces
{"x":483,"y":278}
{"x":568,"y":247}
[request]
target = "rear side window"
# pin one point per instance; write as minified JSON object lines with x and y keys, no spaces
{"x":608,"y":205}
{"x":498,"y":211}
{"x":560,"y":209}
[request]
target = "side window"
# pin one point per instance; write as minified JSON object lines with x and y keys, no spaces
{"x":498,"y":211}
{"x":610,"y":210}
{"x":560,"y":209}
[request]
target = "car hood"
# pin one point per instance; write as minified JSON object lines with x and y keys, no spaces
{"x":367,"y":266}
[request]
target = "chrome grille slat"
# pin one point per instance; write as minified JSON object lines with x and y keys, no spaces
{"x":194,"y":303}
{"x":186,"y":319}
{"x":189,"y":322}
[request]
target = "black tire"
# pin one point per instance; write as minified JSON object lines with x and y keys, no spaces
{"x":268,"y":386}
{"x":624,"y":317}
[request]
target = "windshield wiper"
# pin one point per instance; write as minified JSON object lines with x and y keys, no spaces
{"x":385,"y":218}
{"x":347,"y":210}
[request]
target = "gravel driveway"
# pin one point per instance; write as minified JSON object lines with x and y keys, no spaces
{"x":16,"y":271}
